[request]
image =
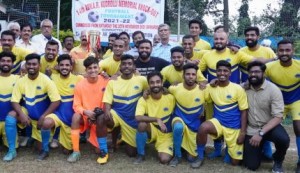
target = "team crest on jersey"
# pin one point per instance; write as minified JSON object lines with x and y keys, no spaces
{"x":72,"y":86}
{"x":297,"y":75}
{"x":229,"y":97}
{"x":38,"y":88}
{"x":239,"y":152}
{"x":228,"y":60}
{"x":136,"y":87}
{"x":197,"y":99}
{"x":166,"y":109}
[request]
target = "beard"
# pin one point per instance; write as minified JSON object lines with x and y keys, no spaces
{"x":156,"y":89}
{"x":221,"y":47}
{"x":144,"y":55}
{"x":5,"y":70}
{"x":256,"y":81}
{"x":251,"y":44}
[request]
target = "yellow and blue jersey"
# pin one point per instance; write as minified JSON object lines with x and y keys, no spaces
{"x":109,"y":65}
{"x":65,"y":88}
{"x":201,"y":45}
{"x":20,"y":53}
{"x":261,"y":52}
{"x":228,"y":102}
{"x":171,"y":75}
{"x":123,"y":96}
{"x":189,"y":105}
{"x":210,"y":59}
{"x":162,"y":108}
{"x":287,"y":79}
{"x":37,"y":94}
{"x":51,"y":65}
{"x":6,"y":88}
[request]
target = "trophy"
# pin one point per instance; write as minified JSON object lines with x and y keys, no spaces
{"x":93,"y":41}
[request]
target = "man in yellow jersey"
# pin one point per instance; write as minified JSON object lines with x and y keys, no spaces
{"x":111,"y":64}
{"x":154,"y":120}
{"x":221,"y":52}
{"x":188,"y":110}
{"x":188,"y":43}
{"x":40,"y":98}
{"x":254,"y":49}
{"x":230,"y":116}
{"x":65,"y":82}
{"x":285,"y":74}
{"x":8,"y":45}
{"x":195,"y":28}
{"x":7,"y":81}
{"x":49,"y":60}
{"x":173,"y":73}
{"x":120,"y":98}
{"x":111,"y":39}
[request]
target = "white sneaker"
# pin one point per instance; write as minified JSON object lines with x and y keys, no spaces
{"x":54,"y":143}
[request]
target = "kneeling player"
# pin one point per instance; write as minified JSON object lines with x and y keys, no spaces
{"x":120,"y":98}
{"x":88,"y":95}
{"x":62,"y":117}
{"x":154,"y":120}
{"x":230,"y":116}
{"x":40,"y":98}
{"x":188,"y":109}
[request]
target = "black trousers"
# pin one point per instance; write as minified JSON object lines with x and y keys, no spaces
{"x":252,"y":155}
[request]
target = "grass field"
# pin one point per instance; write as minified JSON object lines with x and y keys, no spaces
{"x":119,"y":162}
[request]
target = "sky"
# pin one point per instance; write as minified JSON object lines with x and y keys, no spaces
{"x":256,"y":8}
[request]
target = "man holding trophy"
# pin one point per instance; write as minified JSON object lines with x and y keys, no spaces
{"x":89,"y":44}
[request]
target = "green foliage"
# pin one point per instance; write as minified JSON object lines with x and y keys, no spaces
{"x":244,"y":19}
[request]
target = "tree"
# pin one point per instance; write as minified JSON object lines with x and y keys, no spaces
{"x":244,"y":20}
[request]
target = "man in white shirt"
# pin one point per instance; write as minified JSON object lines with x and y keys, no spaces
{"x":45,"y":36}
{"x":24,"y":40}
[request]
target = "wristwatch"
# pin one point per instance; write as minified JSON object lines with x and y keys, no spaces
{"x":261,"y":133}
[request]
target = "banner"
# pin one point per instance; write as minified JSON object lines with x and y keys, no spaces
{"x":115,"y":16}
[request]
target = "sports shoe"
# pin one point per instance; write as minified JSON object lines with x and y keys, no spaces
{"x":42,"y":156}
{"x":102,"y":159}
{"x":139,"y":159}
{"x":197,"y":163}
{"x":277,"y":167}
{"x":54,"y":143}
{"x":75,"y":156}
{"x":175,"y":161}
{"x":10,"y":155}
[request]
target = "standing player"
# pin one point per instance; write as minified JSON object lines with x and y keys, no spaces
{"x":7,"y":81}
{"x":188,"y":44}
{"x":230,"y":116}
{"x":40,"y":98}
{"x":111,"y":64}
{"x":8,"y":45}
{"x":120,"y":98}
{"x":65,"y":82}
{"x":172,"y":74}
{"x":154,"y":120}
{"x":49,"y":60}
{"x":188,"y":109}
{"x":195,"y":28}
{"x":285,"y":74}
{"x":88,"y":95}
{"x":254,"y":49}
{"x":111,"y":39}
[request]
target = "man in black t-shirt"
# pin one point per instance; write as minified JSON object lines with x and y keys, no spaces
{"x":146,"y":64}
